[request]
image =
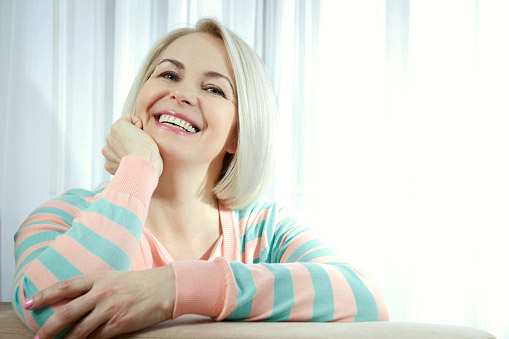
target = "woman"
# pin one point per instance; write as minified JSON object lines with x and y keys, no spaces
{"x":181,"y":228}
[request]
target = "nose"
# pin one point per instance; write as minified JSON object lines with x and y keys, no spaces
{"x":183,"y":96}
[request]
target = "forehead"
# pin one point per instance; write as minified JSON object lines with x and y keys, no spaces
{"x":199,"y":52}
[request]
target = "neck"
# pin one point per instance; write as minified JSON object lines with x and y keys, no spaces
{"x":183,"y":205}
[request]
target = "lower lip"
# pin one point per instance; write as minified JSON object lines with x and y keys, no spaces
{"x":171,"y":128}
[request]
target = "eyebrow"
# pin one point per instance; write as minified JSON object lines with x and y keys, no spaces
{"x":211,"y":74}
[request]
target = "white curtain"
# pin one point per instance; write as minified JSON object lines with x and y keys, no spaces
{"x":393,"y":128}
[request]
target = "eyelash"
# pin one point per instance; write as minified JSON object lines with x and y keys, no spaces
{"x":177,"y":78}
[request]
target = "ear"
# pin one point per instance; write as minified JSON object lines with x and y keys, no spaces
{"x":231,"y":143}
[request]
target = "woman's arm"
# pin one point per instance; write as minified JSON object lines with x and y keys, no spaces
{"x":288,"y":275}
{"x":71,"y":236}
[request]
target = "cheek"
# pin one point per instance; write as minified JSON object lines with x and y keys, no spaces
{"x":146,"y":98}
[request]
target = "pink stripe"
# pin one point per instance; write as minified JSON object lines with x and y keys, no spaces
{"x":295,"y":244}
{"x":64,"y":206}
{"x":254,"y":247}
{"x":35,"y":229}
{"x":252,"y":220}
{"x":345,"y":307}
{"x":45,"y":217}
{"x":40,"y":275}
{"x":111,"y":231}
{"x":22,"y":271}
{"x":232,"y":291}
{"x":263,"y":301}
{"x":79,"y":256}
{"x":142,"y":259}
{"x":199,"y":287}
{"x":303,"y":293}
{"x":283,"y":240}
{"x":325,"y":259}
{"x":230,"y":247}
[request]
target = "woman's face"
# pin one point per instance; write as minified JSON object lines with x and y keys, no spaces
{"x":188,"y":105}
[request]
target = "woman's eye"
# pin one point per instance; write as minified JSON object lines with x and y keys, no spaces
{"x":169,"y":76}
{"x":215,"y":90}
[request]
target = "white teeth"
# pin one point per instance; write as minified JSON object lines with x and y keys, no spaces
{"x":166,"y":118}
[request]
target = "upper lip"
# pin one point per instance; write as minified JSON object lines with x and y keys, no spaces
{"x":180,"y":116}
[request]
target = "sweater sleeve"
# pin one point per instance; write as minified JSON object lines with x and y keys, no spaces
{"x":288,"y":275}
{"x":81,"y":232}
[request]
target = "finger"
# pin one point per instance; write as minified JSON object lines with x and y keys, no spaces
{"x":88,"y":324}
{"x":107,"y":330}
{"x":108,"y":139}
{"x":64,"y":289}
{"x":110,"y":168}
{"x":65,"y":315}
{"x":98,"y":333}
{"x":130,"y":118}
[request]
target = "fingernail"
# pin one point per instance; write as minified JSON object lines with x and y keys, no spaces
{"x":28,"y":303}
{"x":36,"y":337}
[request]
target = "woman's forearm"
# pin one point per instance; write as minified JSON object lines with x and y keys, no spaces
{"x":67,"y":237}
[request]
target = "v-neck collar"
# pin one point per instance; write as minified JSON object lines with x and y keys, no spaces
{"x":225,"y":246}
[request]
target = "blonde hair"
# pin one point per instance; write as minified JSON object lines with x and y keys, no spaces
{"x":246,"y":174}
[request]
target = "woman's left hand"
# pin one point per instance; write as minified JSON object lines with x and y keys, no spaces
{"x":109,"y":303}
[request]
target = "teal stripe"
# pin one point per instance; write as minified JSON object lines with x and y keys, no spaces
{"x":277,"y":252}
{"x":75,"y":201}
{"x":17,"y":303}
{"x":367,"y":309}
{"x":252,"y":232}
{"x":246,"y":291}
{"x":58,"y":265}
{"x":305,"y":247}
{"x":42,"y":314}
{"x":119,"y":215}
{"x":34,"y":240}
{"x":262,"y":257}
{"x":255,"y":231}
{"x":66,"y":217}
{"x":80,"y":192}
{"x":321,"y":252}
{"x":29,"y":259}
{"x":101,"y":247}
{"x":286,"y":228}
{"x":323,"y":304}
{"x":284,"y":298}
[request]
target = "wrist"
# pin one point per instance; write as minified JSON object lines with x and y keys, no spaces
{"x":166,"y":289}
{"x":154,"y":159}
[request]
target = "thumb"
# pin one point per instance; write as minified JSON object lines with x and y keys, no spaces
{"x":135,"y":121}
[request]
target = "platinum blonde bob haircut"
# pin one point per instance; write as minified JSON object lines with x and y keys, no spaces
{"x":247,"y":173}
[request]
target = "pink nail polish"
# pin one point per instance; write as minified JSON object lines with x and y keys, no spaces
{"x":36,"y":337}
{"x":28,"y":303}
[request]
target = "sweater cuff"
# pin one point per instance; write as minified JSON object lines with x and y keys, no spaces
{"x":135,"y":176}
{"x":200,"y":288}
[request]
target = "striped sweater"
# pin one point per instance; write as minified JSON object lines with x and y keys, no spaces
{"x":265,"y":265}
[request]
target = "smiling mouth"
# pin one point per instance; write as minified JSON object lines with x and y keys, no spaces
{"x":173,"y":121}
